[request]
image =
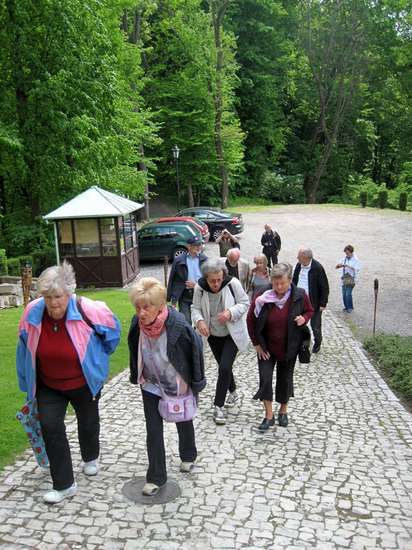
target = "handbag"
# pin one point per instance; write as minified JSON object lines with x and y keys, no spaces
{"x":28,"y":416}
{"x":348,"y":280}
{"x":179,"y":408}
{"x":304,"y":348}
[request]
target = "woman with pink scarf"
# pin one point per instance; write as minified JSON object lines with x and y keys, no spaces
{"x":276,"y":323}
{"x":166,"y":357}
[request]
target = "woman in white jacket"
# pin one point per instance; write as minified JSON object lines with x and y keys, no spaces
{"x":219,"y":313}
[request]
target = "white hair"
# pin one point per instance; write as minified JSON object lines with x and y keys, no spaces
{"x":213,"y":266}
{"x":307,"y":252}
{"x":58,"y":278}
{"x":280,"y":270}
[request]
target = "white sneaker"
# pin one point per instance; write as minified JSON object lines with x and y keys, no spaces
{"x":91,"y":468}
{"x":231,"y":399}
{"x":150,"y":489}
{"x":219,"y":416}
{"x":187,"y":467}
{"x":54,"y":496}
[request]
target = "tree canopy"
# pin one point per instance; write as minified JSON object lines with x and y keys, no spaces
{"x":289,"y":100}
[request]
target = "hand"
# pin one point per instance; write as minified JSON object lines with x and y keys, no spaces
{"x":202,"y":328}
{"x":190,"y":284}
{"x":174,"y":305}
{"x":262,"y":354}
{"x":322,"y":308}
{"x":299,"y":320}
{"x":338,"y":266}
{"x":224,"y":317}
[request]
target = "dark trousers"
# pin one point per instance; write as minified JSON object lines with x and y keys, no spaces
{"x":184,"y":307}
{"x":284,"y":380}
{"x":224,"y":350}
{"x":52,"y":411}
{"x":316,"y":324}
{"x":156,"y":472}
{"x":272,"y":258}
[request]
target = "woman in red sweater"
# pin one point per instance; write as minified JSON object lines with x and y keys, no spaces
{"x":276,"y":321}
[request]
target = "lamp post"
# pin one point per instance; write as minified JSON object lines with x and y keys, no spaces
{"x":176,"y":151}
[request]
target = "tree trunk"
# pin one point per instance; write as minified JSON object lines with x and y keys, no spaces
{"x":190,"y":198}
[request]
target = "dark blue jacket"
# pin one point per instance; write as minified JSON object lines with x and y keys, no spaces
{"x":184,"y":350}
{"x":178,"y":277}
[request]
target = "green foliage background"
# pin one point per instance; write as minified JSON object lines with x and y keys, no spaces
{"x":316,"y":100}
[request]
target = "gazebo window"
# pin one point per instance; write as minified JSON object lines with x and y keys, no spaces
{"x":87,"y":237}
{"x":66,"y":238}
{"x":108,"y":232}
{"x":129,"y":227}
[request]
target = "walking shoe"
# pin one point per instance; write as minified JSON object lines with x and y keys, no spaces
{"x":187,"y":467}
{"x":91,"y":468}
{"x":231,"y":399}
{"x":54,"y":496}
{"x":283,"y":420}
{"x":151,"y":489}
{"x":316,"y":348}
{"x":266,"y":424}
{"x":219,"y":416}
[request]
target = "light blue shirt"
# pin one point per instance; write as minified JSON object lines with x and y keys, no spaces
{"x":193,"y":268}
{"x":304,"y":277}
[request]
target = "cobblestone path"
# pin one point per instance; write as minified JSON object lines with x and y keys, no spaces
{"x":338,"y":477}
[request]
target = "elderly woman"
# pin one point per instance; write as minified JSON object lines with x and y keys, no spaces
{"x":259,"y":278}
{"x":63,"y":357}
{"x":275,"y":322}
{"x":166,"y":358}
{"x":219,"y":313}
{"x":350,"y":266}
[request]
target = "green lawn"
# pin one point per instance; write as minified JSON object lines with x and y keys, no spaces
{"x":13,"y":440}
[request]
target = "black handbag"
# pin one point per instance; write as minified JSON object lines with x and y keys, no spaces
{"x":304,"y":348}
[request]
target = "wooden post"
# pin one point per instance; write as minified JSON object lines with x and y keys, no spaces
{"x":165,"y":268}
{"x":26,"y":280}
{"x":375,"y":288}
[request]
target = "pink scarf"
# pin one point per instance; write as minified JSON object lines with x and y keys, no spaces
{"x":270,"y":297}
{"x":154,"y":330}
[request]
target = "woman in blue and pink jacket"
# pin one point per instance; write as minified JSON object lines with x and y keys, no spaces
{"x":63,"y":357}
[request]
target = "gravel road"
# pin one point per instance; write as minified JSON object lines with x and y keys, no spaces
{"x":382,"y":241}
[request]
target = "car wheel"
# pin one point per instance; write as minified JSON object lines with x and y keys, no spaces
{"x":178,"y":251}
{"x":216,"y":233}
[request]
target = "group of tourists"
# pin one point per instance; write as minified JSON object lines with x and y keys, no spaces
{"x":65,"y":343}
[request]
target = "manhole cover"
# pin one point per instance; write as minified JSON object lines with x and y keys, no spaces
{"x":133,"y":491}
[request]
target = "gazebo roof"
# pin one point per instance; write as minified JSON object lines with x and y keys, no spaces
{"x":94,"y":203}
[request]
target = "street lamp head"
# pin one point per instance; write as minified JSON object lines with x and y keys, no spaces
{"x":175,"y":151}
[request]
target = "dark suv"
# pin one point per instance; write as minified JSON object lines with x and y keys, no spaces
{"x":216,"y":220}
{"x":157,"y":240}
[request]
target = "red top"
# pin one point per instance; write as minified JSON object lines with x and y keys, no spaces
{"x":276,"y":327}
{"x":276,"y":331}
{"x":58,"y":364}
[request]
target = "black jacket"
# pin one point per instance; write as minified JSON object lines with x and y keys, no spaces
{"x":184,"y":350}
{"x":300,"y":304}
{"x":178,"y":277}
{"x":317,"y":282}
{"x":271,"y":242}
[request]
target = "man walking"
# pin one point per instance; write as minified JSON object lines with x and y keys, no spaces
{"x":310,"y":275}
{"x":271,"y":243}
{"x":184,"y":275}
{"x":237,"y":267}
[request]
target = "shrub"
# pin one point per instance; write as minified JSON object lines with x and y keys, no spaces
{"x":42,"y":259}
{"x":279,"y":188}
{"x":22,"y":238}
{"x":394,"y":356}
{"x":14,"y":265}
{"x":3,"y":262}
{"x":383,"y":198}
{"x":403,"y":200}
{"x":363,"y":197}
